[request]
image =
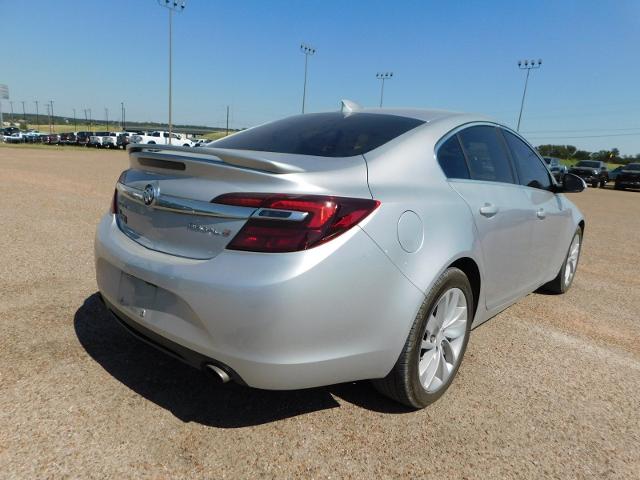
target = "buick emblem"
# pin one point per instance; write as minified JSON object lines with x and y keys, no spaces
{"x":148,"y":194}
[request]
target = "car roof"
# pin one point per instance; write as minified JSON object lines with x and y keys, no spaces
{"x":426,"y":115}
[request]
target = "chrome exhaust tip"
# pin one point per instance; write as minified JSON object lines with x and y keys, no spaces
{"x":218,"y":373}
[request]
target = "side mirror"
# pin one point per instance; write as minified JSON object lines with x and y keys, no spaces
{"x":571,"y":183}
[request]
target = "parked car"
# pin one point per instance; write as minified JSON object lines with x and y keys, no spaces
{"x":53,"y":139}
{"x":556,"y":168}
{"x":333,"y":247}
{"x":68,"y":138}
{"x":96,"y":139}
{"x":17,"y":137}
{"x":32,"y":136}
{"x":125,"y":138}
{"x":7,"y":131}
{"x":593,"y":172}
{"x":613,"y":174}
{"x":200,"y":142}
{"x":111,"y":140}
{"x":162,"y":138}
{"x":629,"y":177}
{"x":82,"y":138}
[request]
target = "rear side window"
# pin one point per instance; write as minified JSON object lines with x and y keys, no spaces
{"x":486,"y":154}
{"x":451,"y":159}
{"x":531,"y":171}
{"x":330,"y":134}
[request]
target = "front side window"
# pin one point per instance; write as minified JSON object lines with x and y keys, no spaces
{"x":451,"y":159}
{"x":486,"y":154}
{"x":330,"y":134}
{"x":531,"y":171}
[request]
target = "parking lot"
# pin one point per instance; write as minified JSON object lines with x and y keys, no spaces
{"x":549,"y":388}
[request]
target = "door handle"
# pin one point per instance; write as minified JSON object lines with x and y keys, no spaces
{"x":488,"y":210}
{"x":541,"y":214}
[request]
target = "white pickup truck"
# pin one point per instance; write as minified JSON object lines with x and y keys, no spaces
{"x":97,"y":140}
{"x":162,"y":138}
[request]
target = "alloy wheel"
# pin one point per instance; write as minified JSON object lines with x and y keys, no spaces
{"x":443,"y":340}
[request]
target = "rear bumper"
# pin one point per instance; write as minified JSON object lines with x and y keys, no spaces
{"x":338,"y":312}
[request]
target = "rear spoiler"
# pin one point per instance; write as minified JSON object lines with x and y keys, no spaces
{"x":236,"y":158}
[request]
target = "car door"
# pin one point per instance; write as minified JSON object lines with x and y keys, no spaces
{"x":548,"y":216}
{"x":484,"y":178}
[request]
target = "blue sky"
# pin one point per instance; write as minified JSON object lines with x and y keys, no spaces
{"x":459,"y":55}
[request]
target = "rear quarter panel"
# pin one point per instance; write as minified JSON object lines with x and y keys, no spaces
{"x":404,"y":175}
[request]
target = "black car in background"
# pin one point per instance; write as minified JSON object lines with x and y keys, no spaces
{"x":629,"y":177}
{"x":82,"y":138}
{"x":594,"y":172}
{"x":68,"y":138}
{"x":125,"y":138}
{"x":8,"y":131}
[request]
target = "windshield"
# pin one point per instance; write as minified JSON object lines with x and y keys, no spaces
{"x":322,"y":134}
{"x":588,"y":163}
{"x":633,"y":166}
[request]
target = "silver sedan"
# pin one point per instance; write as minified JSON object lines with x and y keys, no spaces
{"x":332,"y":247}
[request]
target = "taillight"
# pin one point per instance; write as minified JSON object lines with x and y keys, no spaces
{"x":273,"y":230}
{"x":114,"y":203}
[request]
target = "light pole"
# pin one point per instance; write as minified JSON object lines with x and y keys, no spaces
{"x":86,"y":119}
{"x":75,"y":123}
{"x":307,"y":50}
{"x":528,"y":66}
{"x":172,"y":6}
{"x":11,"y":104}
{"x":24,"y":115}
{"x":49,"y":115}
{"x":52,"y":117}
{"x":383,"y":76}
{"x":37,"y":114}
{"x":124,"y":127}
{"x":106,"y":114}
{"x":227,"y":132}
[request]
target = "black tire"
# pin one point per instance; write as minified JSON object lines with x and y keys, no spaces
{"x":594,"y":184}
{"x":558,"y":285}
{"x":151,"y":143}
{"x":402,"y":384}
{"x":617,"y":186}
{"x":603,"y":183}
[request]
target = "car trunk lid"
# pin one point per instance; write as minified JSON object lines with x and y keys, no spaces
{"x":165,"y":199}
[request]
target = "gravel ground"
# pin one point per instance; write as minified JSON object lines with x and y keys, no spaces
{"x":548,"y":389}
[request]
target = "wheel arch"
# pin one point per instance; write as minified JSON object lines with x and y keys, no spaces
{"x":470,"y":268}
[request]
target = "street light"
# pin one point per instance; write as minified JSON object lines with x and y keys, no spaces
{"x":122,"y":112}
{"x":24,"y":115}
{"x":49,"y":115}
{"x":306,"y":50}
{"x":75,"y":123}
{"x":11,"y":103}
{"x":172,"y":6}
{"x":106,"y":114}
{"x":383,"y":76}
{"x":52,"y":118}
{"x":37,"y":114}
{"x":528,"y":66}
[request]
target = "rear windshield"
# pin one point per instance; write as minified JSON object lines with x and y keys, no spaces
{"x":322,"y":134}
{"x":587,"y":163}
{"x":633,"y":166}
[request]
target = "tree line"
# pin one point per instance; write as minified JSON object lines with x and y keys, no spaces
{"x":570,"y":152}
